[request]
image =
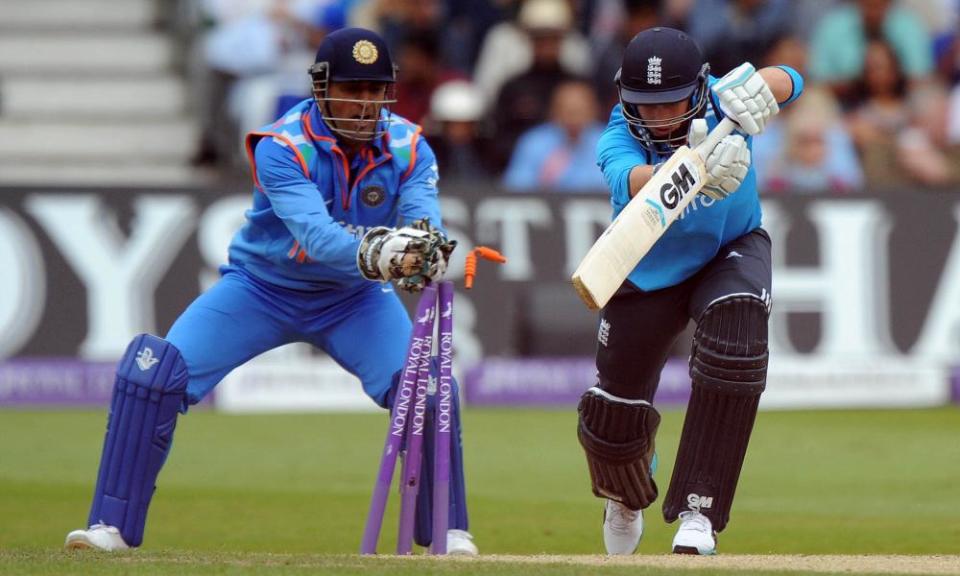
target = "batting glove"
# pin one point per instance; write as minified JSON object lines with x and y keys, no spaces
{"x":727,"y":164}
{"x":746,"y":98}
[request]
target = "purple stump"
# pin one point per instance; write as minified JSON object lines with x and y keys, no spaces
{"x":416,"y":424}
{"x":398,"y":418}
{"x":444,"y":405}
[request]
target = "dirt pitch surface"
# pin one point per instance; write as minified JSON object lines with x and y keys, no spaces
{"x":786,"y":563}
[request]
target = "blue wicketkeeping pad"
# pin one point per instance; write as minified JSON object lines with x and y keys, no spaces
{"x":148,"y":393}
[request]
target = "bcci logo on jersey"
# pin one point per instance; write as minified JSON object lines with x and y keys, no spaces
{"x":684,"y":177}
{"x":373,"y":195}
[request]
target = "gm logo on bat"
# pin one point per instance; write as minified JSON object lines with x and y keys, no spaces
{"x":682,"y":179}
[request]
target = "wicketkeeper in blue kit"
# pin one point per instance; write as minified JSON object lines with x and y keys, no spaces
{"x":344,"y":203}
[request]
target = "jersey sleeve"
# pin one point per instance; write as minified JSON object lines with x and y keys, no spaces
{"x":617,"y":154}
{"x":297,"y":202}
{"x":418,"y":197}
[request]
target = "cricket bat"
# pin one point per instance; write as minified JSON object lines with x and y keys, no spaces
{"x":644,"y":220}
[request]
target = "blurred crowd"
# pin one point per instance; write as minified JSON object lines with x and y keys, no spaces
{"x":518,"y":91}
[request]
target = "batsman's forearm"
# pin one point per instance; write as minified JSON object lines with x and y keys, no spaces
{"x":779,"y":82}
{"x":639,"y":176}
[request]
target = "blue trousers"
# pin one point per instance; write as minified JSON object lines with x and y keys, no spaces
{"x":365,"y":329}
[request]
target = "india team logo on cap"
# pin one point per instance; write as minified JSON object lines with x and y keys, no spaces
{"x":365,"y":52}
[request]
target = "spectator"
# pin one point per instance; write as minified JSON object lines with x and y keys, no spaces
{"x":255,"y":98}
{"x":522,"y":102}
{"x":247,"y":54}
{"x":407,"y":17}
{"x":839,"y":44}
{"x":469,"y":23}
{"x":806,"y":16}
{"x":924,"y":148}
{"x":676,"y":13}
{"x":639,"y":15}
{"x":790,"y":51}
{"x":811,"y":151}
{"x":560,"y":154}
{"x":510,"y":48}
{"x":454,"y":126}
{"x":288,"y":82}
{"x":880,"y":114}
{"x":606,"y":22}
{"x":732,"y":32}
{"x":423,"y":71}
{"x":399,"y":20}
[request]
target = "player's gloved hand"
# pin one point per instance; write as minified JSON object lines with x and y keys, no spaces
{"x":727,"y":164}
{"x":414,"y":255}
{"x":746,"y":98}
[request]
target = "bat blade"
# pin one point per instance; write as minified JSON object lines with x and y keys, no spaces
{"x":642,"y":222}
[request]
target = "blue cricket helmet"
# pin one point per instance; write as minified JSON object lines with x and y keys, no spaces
{"x":662,"y":66}
{"x":354,"y":55}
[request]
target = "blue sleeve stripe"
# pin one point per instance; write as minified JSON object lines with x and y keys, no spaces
{"x":797,"y":80}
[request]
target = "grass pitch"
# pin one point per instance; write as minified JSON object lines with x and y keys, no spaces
{"x":288,"y":494}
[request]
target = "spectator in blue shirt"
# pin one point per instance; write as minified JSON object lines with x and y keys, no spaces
{"x":559,"y":154}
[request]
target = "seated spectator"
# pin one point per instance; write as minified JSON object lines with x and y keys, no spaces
{"x":250,"y":54}
{"x":789,"y":51}
{"x":560,"y":154}
{"x":810,"y":150}
{"x":879,"y":115}
{"x":421,"y":71}
{"x":924,"y":146}
{"x":839,"y":44}
{"x":523,"y":100}
{"x":511,"y":47}
{"x":732,"y":32}
{"x":454,"y":128}
{"x":288,"y":81}
{"x":639,"y":15}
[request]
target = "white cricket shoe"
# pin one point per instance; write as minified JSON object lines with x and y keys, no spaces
{"x":622,"y":528}
{"x":98,"y":536}
{"x":460,"y":543}
{"x":695,"y":535}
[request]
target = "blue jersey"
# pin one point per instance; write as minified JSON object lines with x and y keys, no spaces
{"x":311,"y":204}
{"x":704,"y":226}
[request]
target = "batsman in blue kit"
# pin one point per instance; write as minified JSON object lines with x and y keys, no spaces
{"x":711,"y":265}
{"x":344,"y":206}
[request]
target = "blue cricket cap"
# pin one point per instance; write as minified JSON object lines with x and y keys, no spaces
{"x":356,"y":55}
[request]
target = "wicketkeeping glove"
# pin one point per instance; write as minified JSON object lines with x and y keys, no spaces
{"x":746,"y":98}
{"x":727,"y":164}
{"x":414,"y":255}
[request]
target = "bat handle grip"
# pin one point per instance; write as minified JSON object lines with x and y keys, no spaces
{"x":724,"y":128}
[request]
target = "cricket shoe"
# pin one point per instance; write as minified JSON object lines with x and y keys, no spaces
{"x":98,"y":536}
{"x":460,"y":543}
{"x":695,"y":535}
{"x":622,"y":528}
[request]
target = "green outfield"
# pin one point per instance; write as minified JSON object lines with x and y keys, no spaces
{"x":287,"y":494}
